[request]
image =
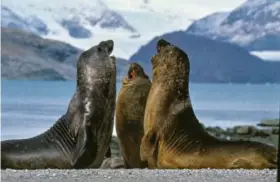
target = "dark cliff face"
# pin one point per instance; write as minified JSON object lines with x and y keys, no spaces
{"x":213,"y":61}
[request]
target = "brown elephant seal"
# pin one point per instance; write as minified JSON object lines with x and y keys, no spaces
{"x":81,"y":137}
{"x":112,"y":163}
{"x":130,"y":109}
{"x":174,"y":137}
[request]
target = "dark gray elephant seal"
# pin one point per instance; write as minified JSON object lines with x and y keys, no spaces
{"x":81,"y":137}
{"x":174,"y":138}
{"x":130,"y":110}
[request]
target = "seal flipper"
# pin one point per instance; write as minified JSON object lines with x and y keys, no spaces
{"x":149,"y":147}
{"x":86,"y":148}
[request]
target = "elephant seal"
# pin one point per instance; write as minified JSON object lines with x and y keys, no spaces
{"x":174,"y":138}
{"x":79,"y":138}
{"x":131,"y":102}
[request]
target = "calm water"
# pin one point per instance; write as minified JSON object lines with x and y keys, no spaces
{"x":31,"y":107}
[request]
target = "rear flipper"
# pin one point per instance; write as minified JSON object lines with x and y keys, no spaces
{"x":86,"y":148}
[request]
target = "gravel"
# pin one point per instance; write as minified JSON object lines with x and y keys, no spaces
{"x":135,"y":175}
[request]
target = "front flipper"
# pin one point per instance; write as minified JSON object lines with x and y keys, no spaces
{"x":149,"y":148}
{"x":86,"y":148}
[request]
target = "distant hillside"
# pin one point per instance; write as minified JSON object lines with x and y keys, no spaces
{"x":27,"y":56}
{"x":213,"y":61}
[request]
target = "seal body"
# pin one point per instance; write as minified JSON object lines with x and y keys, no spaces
{"x":80,"y":138}
{"x":130,"y":110}
{"x":173,"y":135}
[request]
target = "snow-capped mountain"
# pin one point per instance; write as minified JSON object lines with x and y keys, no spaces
{"x":131,"y":24}
{"x":80,"y":23}
{"x":83,"y":23}
{"x":254,"y":25}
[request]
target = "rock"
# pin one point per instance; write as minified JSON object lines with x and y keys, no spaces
{"x":216,"y":130}
{"x":115,"y":147}
{"x":76,"y":29}
{"x":112,"y":163}
{"x":275,"y":131}
{"x":263,"y":133}
{"x":269,"y":123}
{"x":245,"y":130}
{"x":230,"y":131}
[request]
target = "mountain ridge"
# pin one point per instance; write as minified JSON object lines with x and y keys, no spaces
{"x":214,"y":61}
{"x":253,"y":25}
{"x":27,"y":56}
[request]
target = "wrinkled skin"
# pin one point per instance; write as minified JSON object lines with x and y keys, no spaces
{"x":173,"y":137}
{"x":80,"y":138}
{"x":130,"y":114}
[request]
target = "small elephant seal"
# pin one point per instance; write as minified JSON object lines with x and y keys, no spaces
{"x":130,"y":109}
{"x":112,"y":163}
{"x":174,"y":138}
{"x":81,"y":137}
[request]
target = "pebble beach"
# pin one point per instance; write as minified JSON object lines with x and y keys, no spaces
{"x":138,"y":175}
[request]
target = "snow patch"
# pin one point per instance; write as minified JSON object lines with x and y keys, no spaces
{"x":267,"y":55}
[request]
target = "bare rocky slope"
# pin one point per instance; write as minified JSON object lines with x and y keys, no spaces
{"x":26,"y":56}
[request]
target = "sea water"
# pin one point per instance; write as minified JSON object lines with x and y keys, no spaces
{"x":30,"y":107}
